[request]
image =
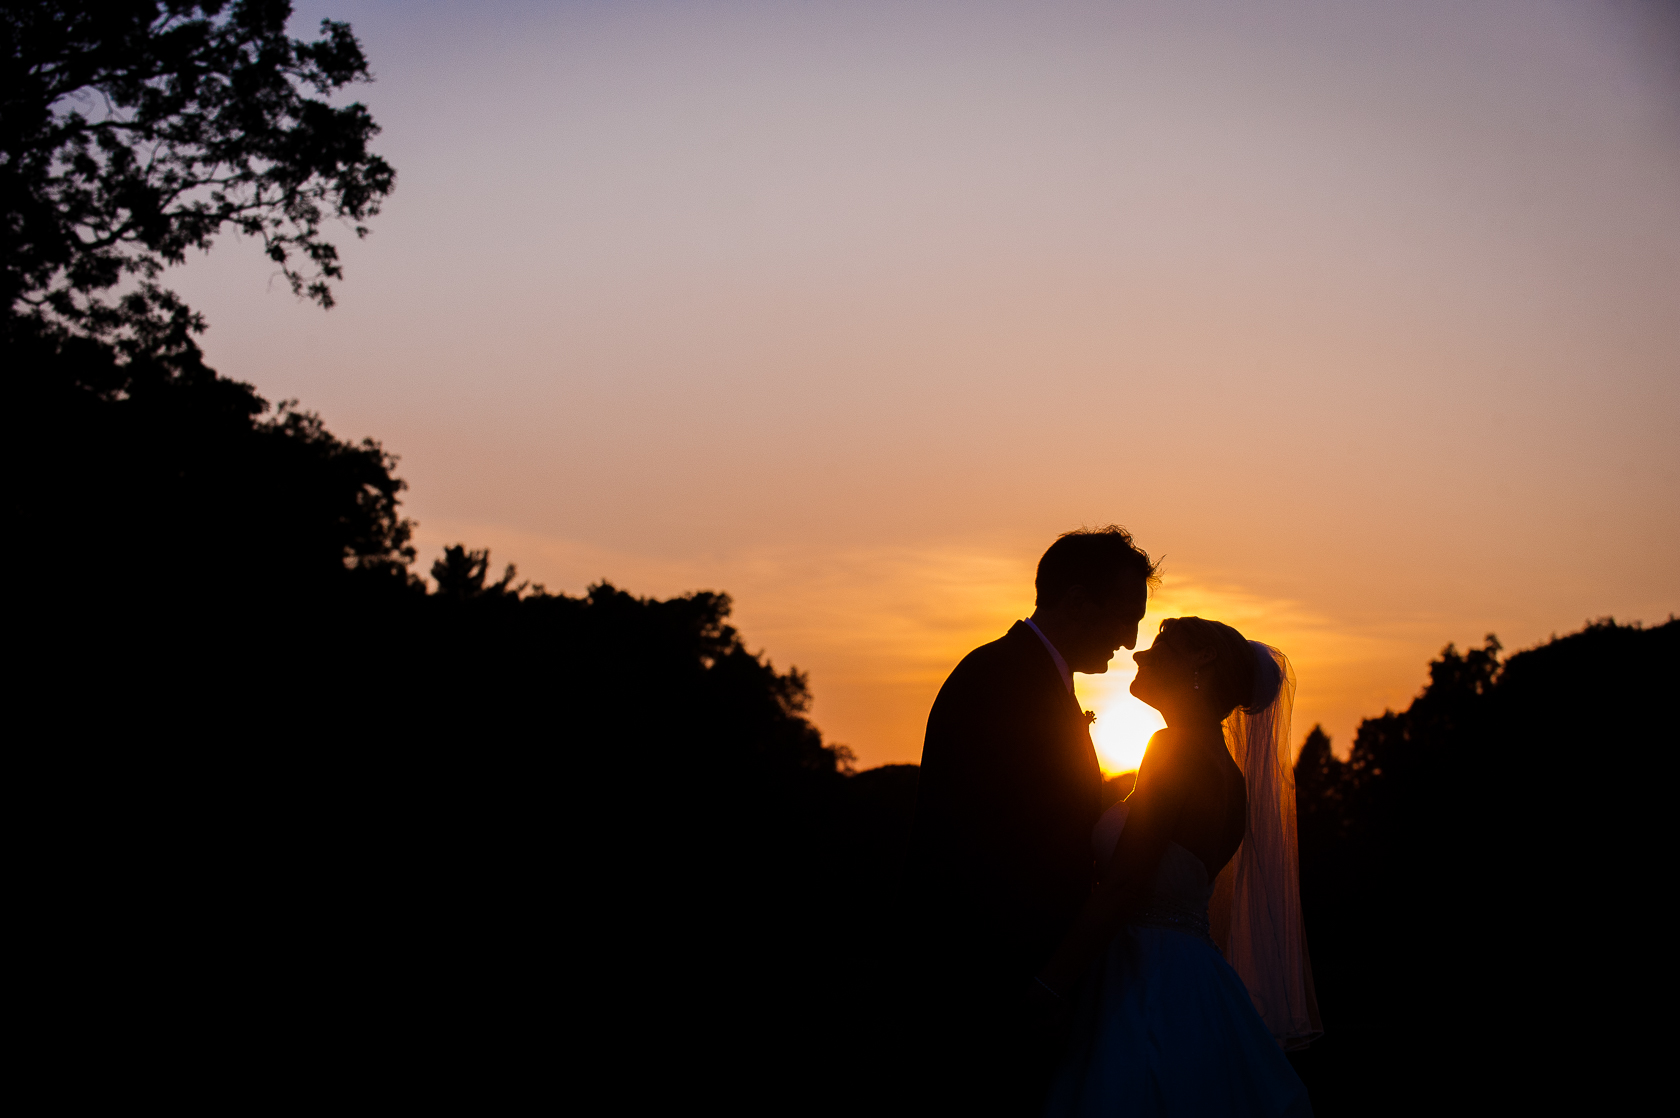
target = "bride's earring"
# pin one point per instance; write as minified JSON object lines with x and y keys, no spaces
{"x":1197,"y":683}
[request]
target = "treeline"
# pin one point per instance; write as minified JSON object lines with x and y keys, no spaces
{"x":1472,"y":874}
{"x":230,"y":540}
{"x":459,"y":812}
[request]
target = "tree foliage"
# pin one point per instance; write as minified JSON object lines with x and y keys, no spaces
{"x":1464,"y":845}
{"x":134,"y":131}
{"x":460,"y":575}
{"x":151,"y":465}
{"x":670,"y":680}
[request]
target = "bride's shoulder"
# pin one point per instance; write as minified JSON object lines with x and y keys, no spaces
{"x":1164,"y":754}
{"x":1173,"y":753}
{"x":1163,"y":742}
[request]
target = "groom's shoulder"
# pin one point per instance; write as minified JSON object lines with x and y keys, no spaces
{"x":994,"y":661}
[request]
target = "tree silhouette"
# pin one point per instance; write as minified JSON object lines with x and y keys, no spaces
{"x":1320,"y":780}
{"x":184,"y":507}
{"x":176,"y":464}
{"x":1449,"y":866}
{"x":134,"y":131}
{"x":460,"y":574}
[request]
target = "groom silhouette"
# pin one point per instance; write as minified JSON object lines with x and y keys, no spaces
{"x":1008,"y":793}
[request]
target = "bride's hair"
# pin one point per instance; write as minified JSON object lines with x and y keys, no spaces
{"x":1234,"y":679}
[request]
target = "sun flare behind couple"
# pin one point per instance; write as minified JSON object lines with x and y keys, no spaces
{"x":1146,"y":960}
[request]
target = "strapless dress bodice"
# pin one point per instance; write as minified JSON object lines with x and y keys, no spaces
{"x":1178,"y":893}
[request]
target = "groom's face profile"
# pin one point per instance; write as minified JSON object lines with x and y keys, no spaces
{"x":1100,"y":624}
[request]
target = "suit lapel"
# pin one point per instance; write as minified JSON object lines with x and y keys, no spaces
{"x":1038,"y":661}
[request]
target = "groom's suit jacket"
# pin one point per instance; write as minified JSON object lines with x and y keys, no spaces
{"x":1008,"y":793}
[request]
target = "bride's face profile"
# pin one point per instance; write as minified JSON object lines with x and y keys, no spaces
{"x":1167,"y":671}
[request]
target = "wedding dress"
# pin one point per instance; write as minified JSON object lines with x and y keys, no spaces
{"x":1166,"y":1027}
{"x":1169,"y":1028}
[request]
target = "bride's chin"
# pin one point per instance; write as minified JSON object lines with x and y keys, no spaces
{"x":1145,"y":694}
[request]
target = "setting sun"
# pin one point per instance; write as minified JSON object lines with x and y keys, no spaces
{"x":1124,"y":725}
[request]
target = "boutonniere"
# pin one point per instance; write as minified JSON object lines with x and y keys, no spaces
{"x":1090,"y":717}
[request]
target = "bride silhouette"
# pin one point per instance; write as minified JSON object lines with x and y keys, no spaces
{"x":1186,"y":976}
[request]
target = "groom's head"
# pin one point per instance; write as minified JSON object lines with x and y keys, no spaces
{"x":1093,"y":585}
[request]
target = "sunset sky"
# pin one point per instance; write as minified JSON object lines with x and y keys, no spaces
{"x":1365,"y":316}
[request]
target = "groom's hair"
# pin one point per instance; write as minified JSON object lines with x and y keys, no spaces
{"x":1092,"y":557}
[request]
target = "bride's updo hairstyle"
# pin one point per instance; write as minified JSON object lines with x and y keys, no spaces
{"x":1238,"y":676}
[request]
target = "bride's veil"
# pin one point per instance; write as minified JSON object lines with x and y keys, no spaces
{"x":1256,"y":908}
